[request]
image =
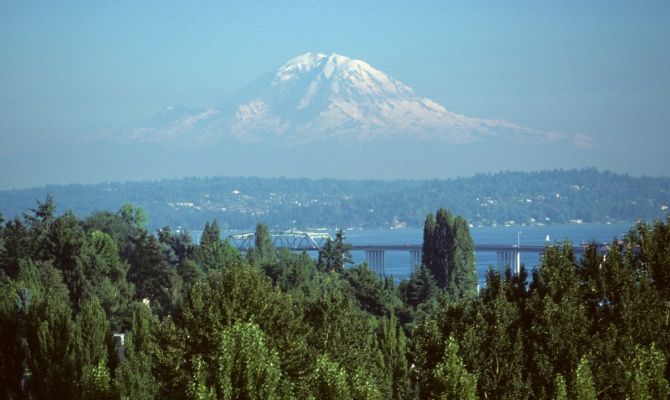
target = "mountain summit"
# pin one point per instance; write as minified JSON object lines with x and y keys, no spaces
{"x":315,"y":97}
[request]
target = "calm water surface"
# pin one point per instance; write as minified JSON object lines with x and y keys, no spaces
{"x":397,"y":263}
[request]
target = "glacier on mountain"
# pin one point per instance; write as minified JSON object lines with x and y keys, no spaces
{"x":316,"y":96}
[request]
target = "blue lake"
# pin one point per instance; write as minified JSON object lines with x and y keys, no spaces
{"x":397,"y":263}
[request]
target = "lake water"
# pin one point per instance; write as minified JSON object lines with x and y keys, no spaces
{"x":397,"y":263}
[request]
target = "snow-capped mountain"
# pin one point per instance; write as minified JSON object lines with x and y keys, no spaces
{"x":315,"y":97}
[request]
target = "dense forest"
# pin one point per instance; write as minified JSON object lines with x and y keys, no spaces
{"x":487,"y":199}
{"x":202,"y":321}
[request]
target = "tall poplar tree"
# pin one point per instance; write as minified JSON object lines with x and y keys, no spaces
{"x":448,"y":253}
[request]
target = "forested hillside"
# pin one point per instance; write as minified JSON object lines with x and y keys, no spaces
{"x":202,"y":321}
{"x":488,"y":199}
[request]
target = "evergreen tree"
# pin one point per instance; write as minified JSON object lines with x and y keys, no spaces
{"x":420,"y":288}
{"x":428,"y":256}
{"x":15,"y":303}
{"x":134,"y":377}
{"x":462,"y":275}
{"x":335,"y":254}
{"x":395,"y":367}
{"x":64,"y":245}
{"x":211,"y":234}
{"x":91,"y":336}
{"x":448,"y":253}
{"x":106,"y":278}
{"x":17,"y":245}
{"x":374,"y":294}
{"x":50,"y":339}
{"x":264,"y":254}
{"x":214,"y":254}
{"x":296,"y":272}
{"x":152,"y":275}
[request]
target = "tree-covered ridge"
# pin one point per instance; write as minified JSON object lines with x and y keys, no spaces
{"x":202,"y":321}
{"x":486,"y":199}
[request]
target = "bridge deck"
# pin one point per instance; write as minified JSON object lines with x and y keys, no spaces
{"x":483,"y":248}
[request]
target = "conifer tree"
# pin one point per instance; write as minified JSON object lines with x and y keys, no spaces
{"x":134,"y":378}
{"x":264,"y":254}
{"x":335,"y":254}
{"x":50,"y":339}
{"x":393,"y":347}
{"x":91,"y":353}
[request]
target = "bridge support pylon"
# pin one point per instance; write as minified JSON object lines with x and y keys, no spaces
{"x":508,"y":258}
{"x":415,"y":259}
{"x":375,"y":260}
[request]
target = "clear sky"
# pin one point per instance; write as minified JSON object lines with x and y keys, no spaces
{"x":71,"y":70}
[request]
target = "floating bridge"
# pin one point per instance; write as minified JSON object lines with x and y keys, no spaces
{"x":506,"y":255}
{"x":292,"y":240}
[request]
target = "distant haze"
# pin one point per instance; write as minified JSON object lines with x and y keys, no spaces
{"x":118,"y":92}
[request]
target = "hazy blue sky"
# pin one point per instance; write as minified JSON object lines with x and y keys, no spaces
{"x":71,"y":70}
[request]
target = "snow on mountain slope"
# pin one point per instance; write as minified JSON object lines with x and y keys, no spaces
{"x":316,"y":97}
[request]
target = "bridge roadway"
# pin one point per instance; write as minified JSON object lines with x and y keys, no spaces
{"x":507,"y":255}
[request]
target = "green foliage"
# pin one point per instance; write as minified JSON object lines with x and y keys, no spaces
{"x":281,"y":328}
{"x":452,"y":380}
{"x":339,"y":328}
{"x":91,"y":334}
{"x":50,"y":339}
{"x":374,"y":294}
{"x":462,"y":277}
{"x":198,"y":389}
{"x":392,"y":345}
{"x":152,"y":276}
{"x":649,"y":380}
{"x":483,"y":199}
{"x":134,"y":378}
{"x":448,"y":253}
{"x":14,"y":305}
{"x":329,"y":381}
{"x":133,"y":216}
{"x":335,"y":254}
{"x":584,"y":388}
{"x":420,"y":288}
{"x":560,"y":389}
{"x":241,"y":294}
{"x":264,"y":254}
{"x":170,"y":361}
{"x":247,"y":368}
{"x":213,"y":254}
{"x":295,"y":273}
{"x":559,"y":324}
